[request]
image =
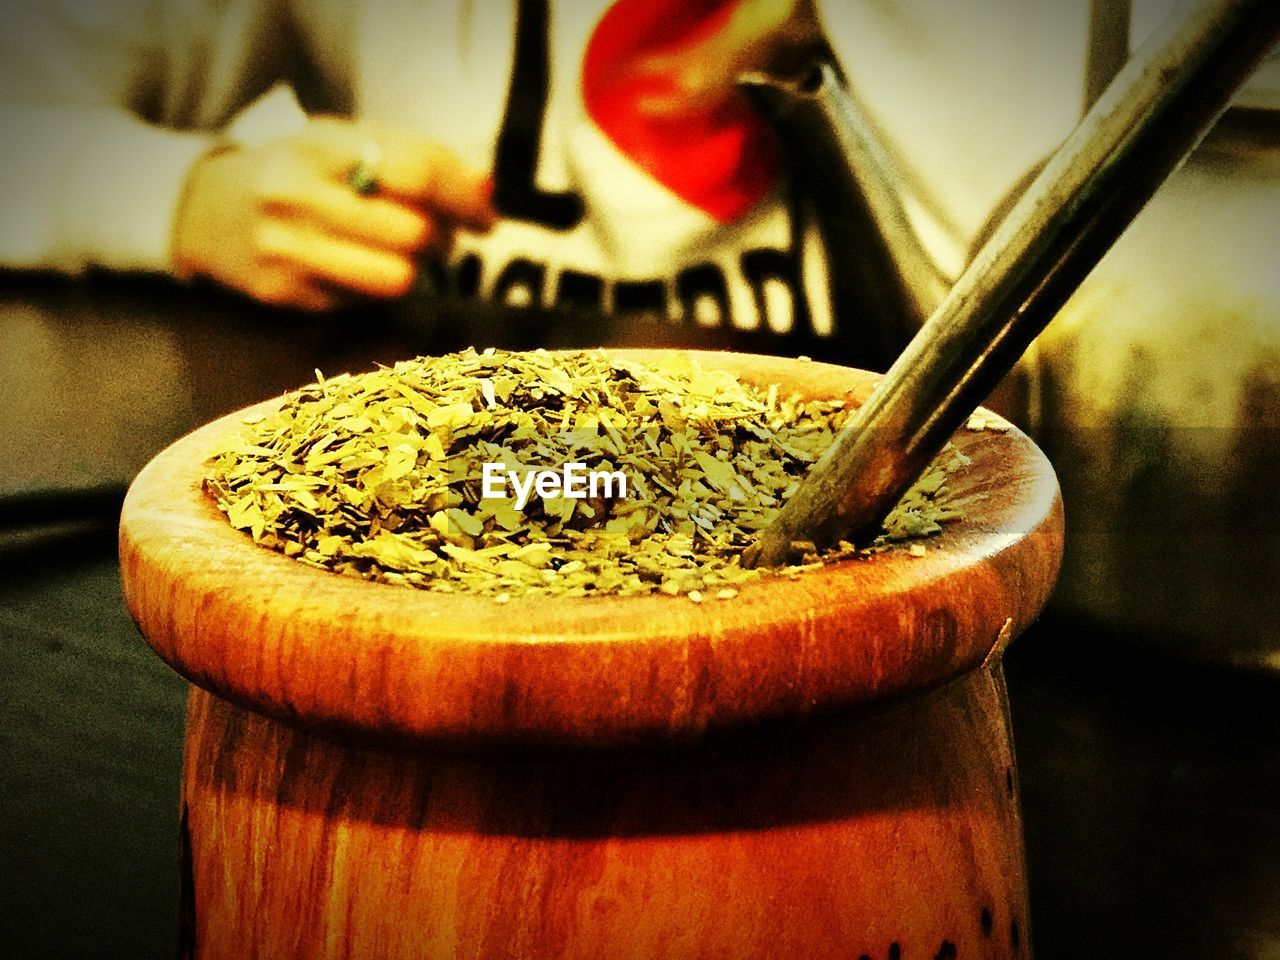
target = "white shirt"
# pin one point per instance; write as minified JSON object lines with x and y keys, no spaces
{"x":105,"y":107}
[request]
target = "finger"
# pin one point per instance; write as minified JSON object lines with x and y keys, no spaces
{"x":282,"y":286}
{"x":407,"y":167}
{"x":317,"y":298}
{"x":337,"y":260}
{"x":373,"y":221}
{"x":435,"y":178}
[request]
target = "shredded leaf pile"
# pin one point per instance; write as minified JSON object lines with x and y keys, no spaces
{"x":378,"y":475}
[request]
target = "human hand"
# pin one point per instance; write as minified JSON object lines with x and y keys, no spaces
{"x":282,"y":223}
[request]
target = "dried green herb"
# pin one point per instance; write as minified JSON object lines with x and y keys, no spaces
{"x":379,"y":475}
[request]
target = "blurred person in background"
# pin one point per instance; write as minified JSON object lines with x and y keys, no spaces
{"x":579,"y":153}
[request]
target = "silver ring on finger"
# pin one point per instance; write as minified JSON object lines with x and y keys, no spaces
{"x":362,"y":177}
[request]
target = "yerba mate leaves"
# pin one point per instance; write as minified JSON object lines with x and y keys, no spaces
{"x":379,"y":475}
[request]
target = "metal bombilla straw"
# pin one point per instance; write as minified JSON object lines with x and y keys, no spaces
{"x":885,"y":276}
{"x":1148,"y":120}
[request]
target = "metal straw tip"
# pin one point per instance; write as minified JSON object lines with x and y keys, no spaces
{"x":808,"y":81}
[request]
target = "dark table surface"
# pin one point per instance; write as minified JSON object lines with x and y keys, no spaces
{"x":1151,"y":789}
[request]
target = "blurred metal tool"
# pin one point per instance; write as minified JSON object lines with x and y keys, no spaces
{"x":880,"y":273}
{"x":1140,"y":130}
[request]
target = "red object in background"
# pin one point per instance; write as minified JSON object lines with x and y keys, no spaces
{"x":717,"y":156}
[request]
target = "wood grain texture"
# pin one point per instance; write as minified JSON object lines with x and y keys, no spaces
{"x":337,"y":804}
{"x":333,"y":652}
{"x":887,"y":832}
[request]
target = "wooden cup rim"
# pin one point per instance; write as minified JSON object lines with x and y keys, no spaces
{"x":333,"y":652}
